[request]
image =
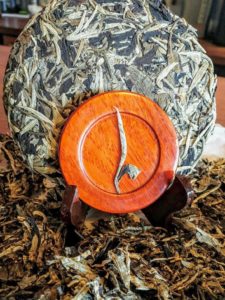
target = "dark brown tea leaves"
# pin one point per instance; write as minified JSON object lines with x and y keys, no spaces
{"x":119,"y":257}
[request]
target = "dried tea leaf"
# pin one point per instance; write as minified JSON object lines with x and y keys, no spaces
{"x":204,"y":237}
{"x":70,"y":52}
{"x":122,"y":264}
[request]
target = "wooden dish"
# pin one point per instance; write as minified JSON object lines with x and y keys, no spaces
{"x":90,"y":151}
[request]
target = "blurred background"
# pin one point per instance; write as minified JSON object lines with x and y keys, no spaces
{"x":208,"y":17}
{"x":19,"y":7}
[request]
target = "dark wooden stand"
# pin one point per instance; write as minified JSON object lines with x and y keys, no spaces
{"x":180,"y":194}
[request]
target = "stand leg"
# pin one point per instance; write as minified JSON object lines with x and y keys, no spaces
{"x":174,"y":199}
{"x":73,"y":210}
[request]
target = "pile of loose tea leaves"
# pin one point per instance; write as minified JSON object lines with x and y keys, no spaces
{"x":119,"y":257}
{"x":75,"y":49}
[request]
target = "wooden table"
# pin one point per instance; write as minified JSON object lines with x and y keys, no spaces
{"x":215,"y":52}
{"x":4,"y":53}
{"x":10,"y":28}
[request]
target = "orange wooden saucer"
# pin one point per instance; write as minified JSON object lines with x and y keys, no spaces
{"x":90,"y":151}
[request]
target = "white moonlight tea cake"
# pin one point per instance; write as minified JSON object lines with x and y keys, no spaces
{"x":75,"y":49}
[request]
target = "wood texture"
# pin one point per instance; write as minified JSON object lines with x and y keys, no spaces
{"x":220,"y":100}
{"x":90,"y":151}
{"x":4,"y":54}
{"x":73,"y":210}
{"x":179,"y":195}
{"x":12,"y":25}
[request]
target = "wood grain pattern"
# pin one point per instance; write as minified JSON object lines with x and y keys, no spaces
{"x":101,"y":152}
{"x":90,"y":150}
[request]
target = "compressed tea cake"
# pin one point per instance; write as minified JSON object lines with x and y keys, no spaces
{"x":75,"y":49}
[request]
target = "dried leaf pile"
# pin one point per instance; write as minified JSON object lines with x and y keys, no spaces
{"x":75,"y":49}
{"x":119,"y":257}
